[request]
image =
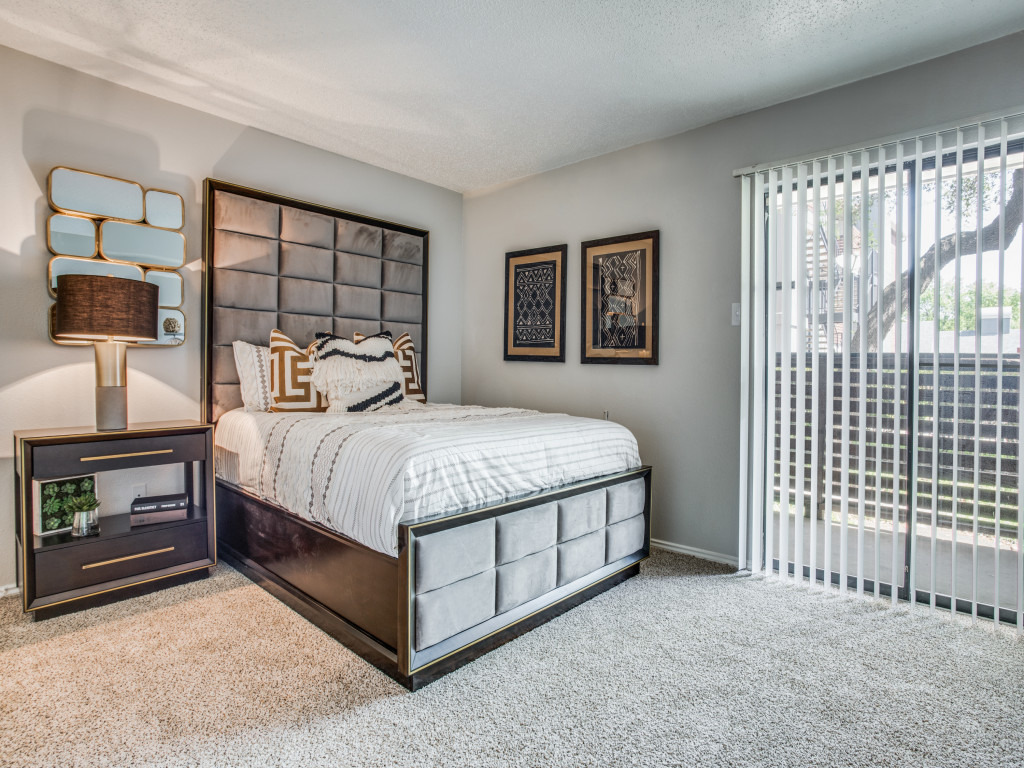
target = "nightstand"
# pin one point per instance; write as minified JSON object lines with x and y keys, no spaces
{"x":59,"y":573}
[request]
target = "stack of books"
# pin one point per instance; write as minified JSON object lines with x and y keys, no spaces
{"x":147,"y":510}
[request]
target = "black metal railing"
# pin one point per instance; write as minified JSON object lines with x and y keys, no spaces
{"x":967,"y":436}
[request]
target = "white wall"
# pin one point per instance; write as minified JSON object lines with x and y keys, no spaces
{"x":685,"y":412}
{"x":51,"y":116}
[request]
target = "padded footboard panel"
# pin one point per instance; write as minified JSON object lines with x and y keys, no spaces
{"x":468,"y":574}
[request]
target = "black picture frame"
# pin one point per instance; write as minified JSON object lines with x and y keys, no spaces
{"x":534,"y":327}
{"x":619,"y":299}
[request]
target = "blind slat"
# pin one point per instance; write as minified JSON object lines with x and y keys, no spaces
{"x":897,"y":355}
{"x":771,"y":258}
{"x":800,"y":256}
{"x":844,"y":493}
{"x":786,"y":267}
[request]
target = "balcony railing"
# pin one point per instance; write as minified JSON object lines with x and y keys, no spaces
{"x":960,"y":443}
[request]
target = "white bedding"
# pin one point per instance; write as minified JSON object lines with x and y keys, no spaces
{"x":362,"y":473}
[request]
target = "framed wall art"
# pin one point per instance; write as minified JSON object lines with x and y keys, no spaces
{"x":619,"y":283}
{"x":535,"y":304}
{"x":51,"y":502}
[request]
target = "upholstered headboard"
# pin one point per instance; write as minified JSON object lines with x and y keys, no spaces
{"x":273,"y":262}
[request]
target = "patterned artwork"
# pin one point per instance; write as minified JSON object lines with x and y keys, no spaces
{"x":535,"y":304}
{"x":533,"y":319}
{"x":620,"y":276}
{"x":620,"y":299}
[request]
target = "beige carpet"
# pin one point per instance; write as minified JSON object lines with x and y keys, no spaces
{"x":685,"y":665}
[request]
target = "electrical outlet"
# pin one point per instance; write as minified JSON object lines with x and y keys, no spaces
{"x":606,"y":415}
{"x":138,"y":490}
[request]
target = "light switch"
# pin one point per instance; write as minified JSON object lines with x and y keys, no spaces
{"x":736,"y":313}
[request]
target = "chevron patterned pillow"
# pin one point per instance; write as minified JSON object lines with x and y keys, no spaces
{"x":291,"y":377}
{"x":405,"y":353}
{"x":362,"y":376}
{"x":253,"y":366}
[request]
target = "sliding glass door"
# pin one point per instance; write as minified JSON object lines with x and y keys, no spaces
{"x":886,"y":328}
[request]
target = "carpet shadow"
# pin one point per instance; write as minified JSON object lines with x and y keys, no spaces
{"x":20,"y":629}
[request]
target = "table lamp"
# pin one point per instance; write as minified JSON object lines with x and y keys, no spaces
{"x":109,"y":312}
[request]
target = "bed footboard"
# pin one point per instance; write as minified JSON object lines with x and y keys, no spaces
{"x":473,"y":578}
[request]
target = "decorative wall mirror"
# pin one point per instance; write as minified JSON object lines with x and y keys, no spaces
{"x":95,"y":195}
{"x":142,"y":244}
{"x":71,"y":235}
{"x":66,"y":265}
{"x":109,"y":226}
{"x":164,"y":209}
{"x":172,"y":289}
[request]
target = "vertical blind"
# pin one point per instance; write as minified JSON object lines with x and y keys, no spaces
{"x":882,"y":341}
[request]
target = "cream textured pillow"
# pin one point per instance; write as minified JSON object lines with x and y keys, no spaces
{"x":291,"y":373}
{"x":356,"y":377}
{"x":405,"y":353}
{"x":253,"y":366}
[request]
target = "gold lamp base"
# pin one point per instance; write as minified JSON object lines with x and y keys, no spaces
{"x":111,"y":385}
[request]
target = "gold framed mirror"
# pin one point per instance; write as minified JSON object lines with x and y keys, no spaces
{"x":103,"y":225}
{"x":94,"y":195}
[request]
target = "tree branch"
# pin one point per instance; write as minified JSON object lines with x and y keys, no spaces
{"x":1010,"y":218}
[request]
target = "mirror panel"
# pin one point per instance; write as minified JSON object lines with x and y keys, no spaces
{"x":170,"y":285}
{"x":93,"y":195}
{"x":71,"y":235}
{"x":142,"y":244}
{"x":170,"y":328}
{"x":68,"y":265}
{"x":164,"y":209}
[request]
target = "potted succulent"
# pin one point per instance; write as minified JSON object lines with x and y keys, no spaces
{"x":86,"y":516}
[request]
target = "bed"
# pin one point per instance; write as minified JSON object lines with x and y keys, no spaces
{"x":468,"y":527}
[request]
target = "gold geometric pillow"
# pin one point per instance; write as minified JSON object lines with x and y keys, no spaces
{"x":291,"y":371}
{"x":405,"y":352}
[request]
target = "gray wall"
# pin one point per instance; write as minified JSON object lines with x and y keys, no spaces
{"x":685,"y":412}
{"x":51,"y":116}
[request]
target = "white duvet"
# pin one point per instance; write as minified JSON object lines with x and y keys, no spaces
{"x":362,"y":473}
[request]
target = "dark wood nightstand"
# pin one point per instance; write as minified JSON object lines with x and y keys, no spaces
{"x":59,"y":573}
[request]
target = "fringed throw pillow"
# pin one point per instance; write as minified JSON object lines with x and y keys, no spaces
{"x":362,"y":376}
{"x":291,"y":377}
{"x":405,"y":353}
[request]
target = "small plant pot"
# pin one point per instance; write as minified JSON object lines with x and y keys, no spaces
{"x":86,"y":523}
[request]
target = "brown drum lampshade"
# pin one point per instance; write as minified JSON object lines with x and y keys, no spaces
{"x":101,"y":308}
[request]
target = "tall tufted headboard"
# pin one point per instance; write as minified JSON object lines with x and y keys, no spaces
{"x":274,"y":262}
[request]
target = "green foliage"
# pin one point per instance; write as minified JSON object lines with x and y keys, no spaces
{"x":82,"y":503}
{"x":969,"y":197}
{"x":60,"y":499}
{"x":947,"y":305}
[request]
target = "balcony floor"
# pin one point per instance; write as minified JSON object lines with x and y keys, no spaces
{"x":1010,"y":577}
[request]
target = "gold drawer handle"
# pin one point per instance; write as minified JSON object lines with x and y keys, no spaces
{"x":125,"y":455}
{"x":128,"y":557}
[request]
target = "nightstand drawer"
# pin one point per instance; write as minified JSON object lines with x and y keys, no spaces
{"x":95,"y":562}
{"x":102,"y":455}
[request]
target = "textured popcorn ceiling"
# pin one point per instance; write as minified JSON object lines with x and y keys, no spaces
{"x":472,"y":94}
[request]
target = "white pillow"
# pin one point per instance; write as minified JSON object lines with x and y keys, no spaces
{"x":405,"y":353}
{"x":253,"y":365}
{"x":356,"y":377}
